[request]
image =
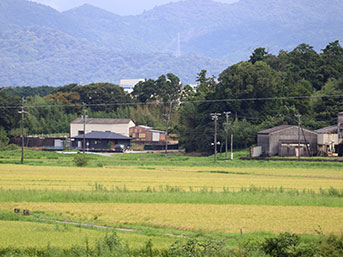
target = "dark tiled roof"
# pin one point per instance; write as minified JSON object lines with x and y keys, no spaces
{"x":328,"y":130}
{"x":101,"y":121}
{"x":102,"y":135}
{"x":274,"y":129}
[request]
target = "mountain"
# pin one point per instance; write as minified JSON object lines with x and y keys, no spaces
{"x":39,"y":45}
{"x":34,"y":56}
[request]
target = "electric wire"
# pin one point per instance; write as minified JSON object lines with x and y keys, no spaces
{"x":179,"y":102}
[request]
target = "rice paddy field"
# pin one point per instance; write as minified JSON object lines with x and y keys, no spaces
{"x":163,"y":199}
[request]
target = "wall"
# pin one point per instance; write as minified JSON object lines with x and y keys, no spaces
{"x":263,"y":140}
{"x":327,"y":139}
{"x":122,"y":129}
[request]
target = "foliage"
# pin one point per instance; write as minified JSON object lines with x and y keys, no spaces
{"x":4,"y":140}
{"x":81,"y":160}
{"x":9,"y":107}
{"x":29,"y":91}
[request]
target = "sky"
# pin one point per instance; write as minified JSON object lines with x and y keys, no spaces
{"x":121,"y":7}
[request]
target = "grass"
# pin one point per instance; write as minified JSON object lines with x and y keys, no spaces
{"x":246,"y":196}
{"x":32,"y":232}
{"x":39,"y":158}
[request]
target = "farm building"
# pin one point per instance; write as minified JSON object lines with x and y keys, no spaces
{"x":283,"y":141}
{"x":100,"y":141}
{"x":330,"y":139}
{"x":147,"y":134}
{"x":119,"y":126}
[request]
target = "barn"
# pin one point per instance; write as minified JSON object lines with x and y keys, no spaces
{"x":284,"y":140}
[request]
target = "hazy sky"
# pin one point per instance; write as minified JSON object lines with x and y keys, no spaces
{"x":122,"y":7}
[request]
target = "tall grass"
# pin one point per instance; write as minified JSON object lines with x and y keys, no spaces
{"x":175,"y":195}
{"x":39,"y":158}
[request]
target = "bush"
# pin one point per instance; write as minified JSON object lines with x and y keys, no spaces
{"x":12,"y":147}
{"x":288,"y":245}
{"x":81,"y":160}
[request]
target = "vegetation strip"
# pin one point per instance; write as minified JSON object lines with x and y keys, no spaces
{"x":290,"y":159}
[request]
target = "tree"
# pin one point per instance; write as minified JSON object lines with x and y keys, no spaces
{"x":305,"y":63}
{"x":332,"y":61}
{"x":103,"y":96}
{"x":246,"y":80}
{"x":169,"y":89}
{"x":9,"y":107}
{"x":4,"y":140}
{"x":327,"y":108}
{"x":259,"y":54}
{"x":206,"y":85}
{"x":145,"y":91}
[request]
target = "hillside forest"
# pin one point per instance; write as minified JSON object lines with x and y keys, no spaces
{"x":265,"y":91}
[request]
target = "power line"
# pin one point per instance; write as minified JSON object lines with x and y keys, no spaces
{"x":180,"y":102}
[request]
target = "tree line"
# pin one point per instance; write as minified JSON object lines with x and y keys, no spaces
{"x":265,"y":91}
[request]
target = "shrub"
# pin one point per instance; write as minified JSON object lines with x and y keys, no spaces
{"x":288,"y":245}
{"x":81,"y":160}
{"x":12,"y":147}
{"x":332,"y":246}
{"x":278,"y":246}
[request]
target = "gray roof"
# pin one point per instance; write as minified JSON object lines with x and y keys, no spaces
{"x":282,"y":127}
{"x":101,"y":121}
{"x":102,"y":135}
{"x":328,"y":130}
{"x":274,"y":129}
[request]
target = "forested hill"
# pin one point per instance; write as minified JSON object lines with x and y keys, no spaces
{"x":39,"y":45}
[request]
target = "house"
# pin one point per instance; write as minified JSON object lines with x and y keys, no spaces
{"x":100,"y":141}
{"x":129,"y":84}
{"x":283,"y":141}
{"x":146,"y":134}
{"x":119,"y":126}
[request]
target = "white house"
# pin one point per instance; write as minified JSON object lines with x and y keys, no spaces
{"x":119,"y":126}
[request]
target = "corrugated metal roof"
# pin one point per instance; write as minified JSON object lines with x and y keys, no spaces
{"x":328,"y":130}
{"x":102,"y":135}
{"x":274,"y":129}
{"x":101,"y":121}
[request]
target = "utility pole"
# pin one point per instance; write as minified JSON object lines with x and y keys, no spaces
{"x":167,"y":119}
{"x":227,"y":124}
{"x":84,"y":117}
{"x":214,"y":117}
{"x":22,"y":112}
{"x":299,"y":124}
{"x":231,"y":147}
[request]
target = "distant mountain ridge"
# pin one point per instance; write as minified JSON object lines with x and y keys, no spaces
{"x":88,"y":44}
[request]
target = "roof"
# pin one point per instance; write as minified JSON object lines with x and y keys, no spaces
{"x":130,"y":83}
{"x":282,"y":127}
{"x":328,"y":130}
{"x":101,"y":121}
{"x":274,"y":129}
{"x":102,"y":135}
{"x":158,"y":131}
